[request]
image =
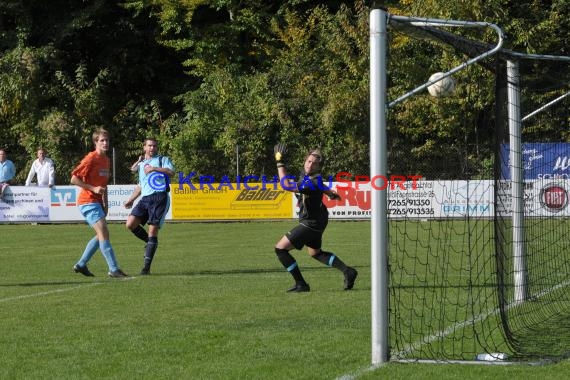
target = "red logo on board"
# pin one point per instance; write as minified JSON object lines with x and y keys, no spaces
{"x":554,"y":198}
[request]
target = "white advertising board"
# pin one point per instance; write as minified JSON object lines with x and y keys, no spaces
{"x":58,"y":204}
{"x":25,"y":204}
{"x":424,"y":200}
{"x":421,"y":200}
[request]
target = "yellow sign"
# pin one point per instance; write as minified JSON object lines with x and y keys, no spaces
{"x":235,"y":201}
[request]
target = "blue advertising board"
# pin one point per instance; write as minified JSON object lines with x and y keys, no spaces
{"x":540,"y":161}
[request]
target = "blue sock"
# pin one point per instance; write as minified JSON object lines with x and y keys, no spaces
{"x":89,"y":251}
{"x":107,"y":250}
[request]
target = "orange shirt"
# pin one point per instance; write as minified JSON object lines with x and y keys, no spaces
{"x":94,"y":169}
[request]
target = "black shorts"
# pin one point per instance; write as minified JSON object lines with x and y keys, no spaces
{"x":303,"y":235}
{"x":152,"y":209}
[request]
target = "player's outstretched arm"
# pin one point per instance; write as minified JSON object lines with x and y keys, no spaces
{"x":280,"y":154}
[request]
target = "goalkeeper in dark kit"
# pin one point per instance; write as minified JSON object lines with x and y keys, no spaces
{"x":313,"y":219}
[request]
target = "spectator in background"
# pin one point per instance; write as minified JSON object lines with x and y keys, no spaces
{"x":7,"y":172}
{"x":44,"y":170}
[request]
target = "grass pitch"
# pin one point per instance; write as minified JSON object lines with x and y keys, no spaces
{"x":215,"y":307}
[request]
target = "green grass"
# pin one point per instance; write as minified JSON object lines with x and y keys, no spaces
{"x":215,"y":307}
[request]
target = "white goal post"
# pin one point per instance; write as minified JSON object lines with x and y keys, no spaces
{"x":379,"y":20}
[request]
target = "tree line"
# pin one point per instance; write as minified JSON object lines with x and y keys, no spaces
{"x":219,"y":82}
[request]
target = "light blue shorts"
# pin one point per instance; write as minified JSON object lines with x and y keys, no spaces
{"x":92,"y":212}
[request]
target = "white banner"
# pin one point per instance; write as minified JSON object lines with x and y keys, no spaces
{"x":25,"y":204}
{"x":542,"y":197}
{"x":454,"y":199}
{"x":419,"y":199}
{"x":425,"y":200}
{"x":64,"y":203}
{"x":58,"y":204}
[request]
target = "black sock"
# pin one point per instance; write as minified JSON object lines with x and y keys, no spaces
{"x":140,"y":233}
{"x":150,"y":250}
{"x":330,"y":259}
{"x":290,"y":264}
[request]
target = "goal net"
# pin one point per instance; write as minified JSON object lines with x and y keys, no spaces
{"x":532,"y":222}
{"x":478,"y":252}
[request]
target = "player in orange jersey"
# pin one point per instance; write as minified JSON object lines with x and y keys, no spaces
{"x":92,"y":176}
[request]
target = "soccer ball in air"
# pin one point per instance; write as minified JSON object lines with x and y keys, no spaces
{"x":441,"y":88}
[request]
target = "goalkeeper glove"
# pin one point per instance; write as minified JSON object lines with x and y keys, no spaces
{"x":280,"y":150}
{"x":334,"y":196}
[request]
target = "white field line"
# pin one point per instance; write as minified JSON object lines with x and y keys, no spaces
{"x":17,"y":298}
{"x":450,"y":330}
{"x":359,"y":373}
{"x":55,"y":291}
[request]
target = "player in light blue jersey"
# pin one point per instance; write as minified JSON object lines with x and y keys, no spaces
{"x":154,"y":185}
